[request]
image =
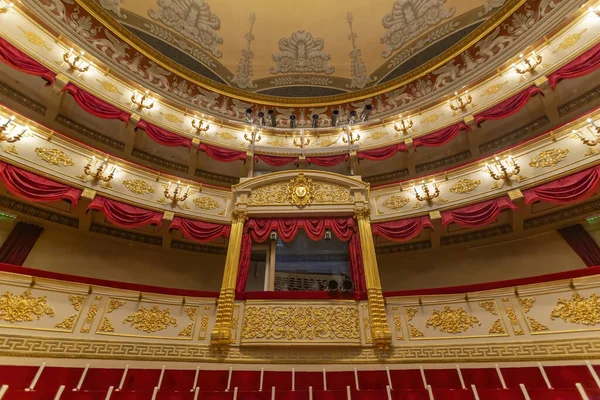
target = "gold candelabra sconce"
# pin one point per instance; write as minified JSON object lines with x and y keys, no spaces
{"x":528,"y":64}
{"x":254,"y":137}
{"x":3,"y":128}
{"x":350,"y":136}
{"x":302,"y":141}
{"x":503,"y":169}
{"x":595,"y":140}
{"x":595,"y":10}
{"x":404,"y":125}
{"x":178,"y":194}
{"x":200,"y":125}
{"x":76,"y":62}
{"x":97,"y":171}
{"x":6,"y":8}
{"x":427,"y":195}
{"x":142,"y":100}
{"x":460,"y":102}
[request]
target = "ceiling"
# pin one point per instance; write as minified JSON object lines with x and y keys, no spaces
{"x":309,"y":48}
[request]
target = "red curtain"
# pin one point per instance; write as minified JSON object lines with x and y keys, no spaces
{"x":327,"y":161}
{"x":566,"y":190}
{"x":163,"y":136}
{"x":582,"y":243}
{"x":19,"y":243}
{"x":244,"y":264}
{"x":440,"y":137}
{"x":200,"y":231}
{"x":402,"y":230}
{"x":125,"y":215}
{"x":275,"y":161}
{"x":35,"y":188}
{"x":508,"y":107}
{"x":584,"y":64}
{"x":96,"y":106}
{"x":15,"y":58}
{"x":477,"y":214}
{"x":356,"y":263}
{"x":221,"y":154}
{"x":382,"y":153}
{"x":287,"y":228}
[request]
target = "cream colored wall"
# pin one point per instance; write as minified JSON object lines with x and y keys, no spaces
{"x":538,"y":255}
{"x":76,"y":253}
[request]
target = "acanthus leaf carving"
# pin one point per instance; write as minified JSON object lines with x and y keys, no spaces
{"x":301,"y":53}
{"x":23,"y":307}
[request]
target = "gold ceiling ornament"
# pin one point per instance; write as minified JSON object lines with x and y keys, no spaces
{"x":414,"y":332}
{"x":76,"y":301}
{"x":548,"y":158}
{"x":527,"y":303}
{"x":489,"y":306}
{"x":300,"y":323}
{"x":301,"y":191}
{"x":395,"y":202}
{"x":106,"y":326}
{"x":569,"y":41}
{"x":109,"y":87}
{"x":138,"y":186}
{"x":54,"y":157}
{"x":497,"y":328}
{"x":68,"y":323}
{"x":206,"y":203}
{"x":325,"y":192}
{"x":537,"y":326}
{"x":114,"y":304}
{"x":493,"y":89}
{"x":578,"y":310}
{"x":465,"y":186}
{"x":151,"y":320}
{"x":452,"y":320}
{"x":23,"y":307}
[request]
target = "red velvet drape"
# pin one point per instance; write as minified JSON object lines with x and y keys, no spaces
{"x":33,"y":187}
{"x":566,"y":190}
{"x":327,"y":161}
{"x":19,"y":243}
{"x":221,"y":154}
{"x":275,"y":161}
{"x":163,"y":136}
{"x":477,"y":214}
{"x":402,"y":230}
{"x":508,"y":107}
{"x":582,"y":243}
{"x":440,"y":137}
{"x":200,"y":231}
{"x":287,"y":228}
{"x":584,"y":64}
{"x":356,"y":263}
{"x":382,"y":153}
{"x":125,"y":215}
{"x":96,"y":106}
{"x":244,"y":263}
{"x":15,"y":58}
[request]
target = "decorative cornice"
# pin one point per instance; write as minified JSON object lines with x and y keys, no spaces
{"x":90,"y":133}
{"x":402,"y":173}
{"x":127,"y":235}
{"x":571,"y":212}
{"x":38,"y":212}
{"x":443,"y":162}
{"x":579,"y":102}
{"x":477,"y":235}
{"x":513,"y":137}
{"x":22,"y":99}
{"x":403,"y":248}
{"x":198,"y":248}
{"x":213,"y":176}
{"x":142,"y":155}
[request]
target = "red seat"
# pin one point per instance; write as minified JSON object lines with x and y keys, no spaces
{"x":178,"y":380}
{"x":369,"y":395}
{"x":531,"y":377}
{"x":330,"y":394}
{"x":410,"y":394}
{"x":17,"y":376}
{"x":453,"y":394}
{"x":84,"y":395}
{"x":213,"y":381}
{"x":338,"y":380}
{"x":282,"y":380}
{"x":53,"y":377}
{"x":443,"y":378}
{"x":102,"y":378}
{"x":245,"y":380}
{"x":141,"y":379}
{"x":254,"y":395}
{"x":407,"y":379}
{"x":372,"y":380}
{"x":482,"y":378}
{"x":306,"y":379}
{"x":567,"y":376}
{"x":554,"y":394}
{"x":500,"y":394}
{"x":22,"y":395}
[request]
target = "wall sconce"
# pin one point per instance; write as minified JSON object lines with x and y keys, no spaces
{"x":98,"y":174}
{"x":76,"y":62}
{"x":6,"y":8}
{"x":200,"y":124}
{"x":303,"y":142}
{"x":587,"y":141}
{"x":254,"y":136}
{"x":17,"y":137}
{"x":460,"y":102}
{"x":428,"y":195}
{"x":528,"y":64}
{"x":403,"y":126}
{"x":176,"y":196}
{"x":592,"y":10}
{"x":351,"y":137}
{"x":6,"y":123}
{"x":142,"y":100}
{"x":503,"y":169}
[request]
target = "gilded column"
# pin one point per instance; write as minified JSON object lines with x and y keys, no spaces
{"x":221,"y":334}
{"x":380,"y":330}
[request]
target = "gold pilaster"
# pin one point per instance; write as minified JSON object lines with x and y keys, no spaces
{"x":221,"y":334}
{"x":380,"y":330}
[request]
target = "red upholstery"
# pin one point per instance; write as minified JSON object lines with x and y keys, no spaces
{"x":482,"y":378}
{"x":53,"y":377}
{"x":554,"y":394}
{"x":500,"y":394}
{"x":406,"y":379}
{"x":178,"y":380}
{"x":372,"y":380}
{"x":453,"y":394}
{"x":443,"y":378}
{"x":410,"y":395}
{"x":338,"y":380}
{"x":213,"y":380}
{"x":141,"y":379}
{"x":17,"y":377}
{"x":245,"y":380}
{"x":529,"y":376}
{"x":306,"y":379}
{"x":282,"y":380}
{"x":102,"y":378}
{"x":254,"y":395}
{"x":568,"y":375}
